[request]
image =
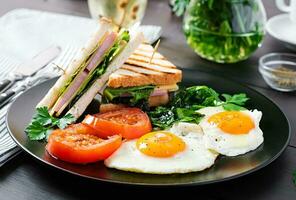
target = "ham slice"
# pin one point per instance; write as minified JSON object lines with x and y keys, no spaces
{"x":156,"y":92}
{"x":95,"y":59}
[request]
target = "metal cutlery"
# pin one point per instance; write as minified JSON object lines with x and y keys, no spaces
{"x":29,"y":68}
{"x":9,"y":94}
{"x":8,"y":148}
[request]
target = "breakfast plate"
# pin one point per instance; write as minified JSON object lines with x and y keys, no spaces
{"x":274,"y":125}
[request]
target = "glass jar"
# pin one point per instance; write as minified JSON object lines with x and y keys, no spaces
{"x":123,"y":12}
{"x":224,"y":31}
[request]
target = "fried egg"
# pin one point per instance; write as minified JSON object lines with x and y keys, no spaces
{"x":162,"y":152}
{"x":231,"y":133}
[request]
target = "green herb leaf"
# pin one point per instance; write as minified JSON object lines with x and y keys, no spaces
{"x":234,"y":102}
{"x":37,"y":131}
{"x":179,"y":6}
{"x":43,"y":116}
{"x":188,"y":115}
{"x":130,"y":95}
{"x":231,"y":106}
{"x":186,"y":102}
{"x":124,"y":35}
{"x":238,"y":99}
{"x":43,"y":123}
{"x":162,"y":117}
{"x":65,"y":121}
{"x":196,"y":95}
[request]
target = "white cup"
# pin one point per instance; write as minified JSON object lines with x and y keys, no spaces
{"x":290,"y":8}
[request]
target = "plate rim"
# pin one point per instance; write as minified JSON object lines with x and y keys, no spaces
{"x":110,"y":181}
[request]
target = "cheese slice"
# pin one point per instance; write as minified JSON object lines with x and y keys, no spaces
{"x":170,"y":88}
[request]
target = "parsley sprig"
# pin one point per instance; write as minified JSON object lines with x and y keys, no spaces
{"x":234,"y":102}
{"x":43,"y":123}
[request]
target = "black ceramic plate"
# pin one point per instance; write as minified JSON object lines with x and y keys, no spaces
{"x":274,"y":125}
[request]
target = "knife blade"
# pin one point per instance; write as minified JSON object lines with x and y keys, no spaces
{"x":30,"y":67}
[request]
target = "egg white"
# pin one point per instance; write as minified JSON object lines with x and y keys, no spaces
{"x":230,"y":144}
{"x":194,"y":158}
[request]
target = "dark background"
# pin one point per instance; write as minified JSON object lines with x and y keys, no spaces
{"x":25,"y":178}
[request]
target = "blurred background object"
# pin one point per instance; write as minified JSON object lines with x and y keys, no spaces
{"x":283,"y":27}
{"x":289,"y":8}
{"x":279,"y":71}
{"x":123,"y":12}
{"x":223,"y":31}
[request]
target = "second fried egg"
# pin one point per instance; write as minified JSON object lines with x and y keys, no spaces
{"x":231,"y":133}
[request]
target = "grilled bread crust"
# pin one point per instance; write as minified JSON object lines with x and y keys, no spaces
{"x":138,"y":72}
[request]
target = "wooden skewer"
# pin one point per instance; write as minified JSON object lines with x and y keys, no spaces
{"x":123,"y":17}
{"x":118,"y":26}
{"x":59,"y":68}
{"x":154,"y":50}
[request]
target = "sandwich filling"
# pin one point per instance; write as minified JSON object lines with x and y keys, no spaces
{"x":143,"y":96}
{"x":145,"y":80}
{"x":92,"y":68}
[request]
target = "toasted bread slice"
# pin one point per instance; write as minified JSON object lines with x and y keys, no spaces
{"x":137,"y":70}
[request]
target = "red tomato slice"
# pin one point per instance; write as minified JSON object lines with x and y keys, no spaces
{"x":81,"y":128}
{"x":130,"y":123}
{"x":79,"y":147}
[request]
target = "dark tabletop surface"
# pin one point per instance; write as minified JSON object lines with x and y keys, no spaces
{"x":25,"y":178}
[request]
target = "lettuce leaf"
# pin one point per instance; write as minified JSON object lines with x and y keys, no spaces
{"x":132,"y":96}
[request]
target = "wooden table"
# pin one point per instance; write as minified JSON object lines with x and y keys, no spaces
{"x":25,"y":178}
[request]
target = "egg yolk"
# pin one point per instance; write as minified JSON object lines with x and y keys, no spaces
{"x":160,"y":144}
{"x":232,"y":122}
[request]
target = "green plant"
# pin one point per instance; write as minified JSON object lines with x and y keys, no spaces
{"x":224,"y":31}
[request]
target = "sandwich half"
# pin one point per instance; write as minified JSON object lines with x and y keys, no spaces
{"x":87,"y":74}
{"x":141,"y":83}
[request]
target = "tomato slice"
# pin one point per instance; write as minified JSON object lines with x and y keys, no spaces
{"x":130,"y":123}
{"x":81,"y":128}
{"x":81,"y":148}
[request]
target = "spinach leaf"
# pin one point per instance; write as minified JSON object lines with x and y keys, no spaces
{"x":130,"y":95}
{"x":162,"y":117}
{"x":186,"y":102}
{"x":188,"y":115}
{"x":196,"y":95}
